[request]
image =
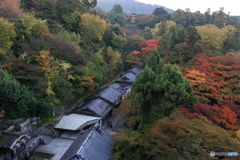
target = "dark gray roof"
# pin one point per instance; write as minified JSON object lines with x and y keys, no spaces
{"x":75,"y":146}
{"x":96,"y":107}
{"x":115,"y":85}
{"x":127,"y":78}
{"x":99,"y":103}
{"x":134,"y":70}
{"x":121,"y":86}
{"x":93,"y":145}
{"x":109,"y":94}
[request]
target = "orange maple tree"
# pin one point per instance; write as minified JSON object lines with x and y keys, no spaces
{"x":195,"y":77}
{"x":217,"y":89}
{"x":149,"y":45}
{"x":134,"y":57}
{"x":88,"y":81}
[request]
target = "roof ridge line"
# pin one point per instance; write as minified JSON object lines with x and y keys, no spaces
{"x":88,"y":137}
{"x":105,"y":100}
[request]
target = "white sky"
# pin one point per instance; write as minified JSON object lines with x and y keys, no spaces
{"x":231,"y":6}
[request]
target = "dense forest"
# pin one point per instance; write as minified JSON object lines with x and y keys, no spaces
{"x":186,"y":101}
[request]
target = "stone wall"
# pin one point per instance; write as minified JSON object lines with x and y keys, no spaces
{"x":31,"y":126}
{"x":44,"y":129}
{"x":6,"y":124}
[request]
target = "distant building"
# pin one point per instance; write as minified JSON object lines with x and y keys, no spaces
{"x":133,"y":17}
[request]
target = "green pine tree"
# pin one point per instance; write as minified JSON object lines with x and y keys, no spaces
{"x":159,"y":89}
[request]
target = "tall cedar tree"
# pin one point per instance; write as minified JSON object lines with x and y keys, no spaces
{"x":159,"y":89}
{"x":193,"y":39}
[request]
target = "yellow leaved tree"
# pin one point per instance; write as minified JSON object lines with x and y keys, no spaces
{"x":45,"y":61}
{"x":238,"y":134}
{"x":92,"y":27}
{"x":7,"y":33}
{"x":162,"y":28}
{"x":212,"y":36}
{"x":229,"y":30}
{"x":34,"y":25}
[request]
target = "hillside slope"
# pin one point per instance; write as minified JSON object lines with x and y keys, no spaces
{"x":130,"y":6}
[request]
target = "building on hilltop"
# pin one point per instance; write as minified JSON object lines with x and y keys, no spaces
{"x":133,"y":17}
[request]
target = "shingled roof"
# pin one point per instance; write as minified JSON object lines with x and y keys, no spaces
{"x":127,"y":78}
{"x":96,"y":107}
{"x":109,"y":94}
{"x":94,"y":144}
{"x":134,"y":70}
{"x":99,"y":103}
{"x":121,"y":86}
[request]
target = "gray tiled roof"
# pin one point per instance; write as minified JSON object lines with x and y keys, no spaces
{"x":93,"y":145}
{"x":116,"y":86}
{"x":75,"y":146}
{"x":97,"y":147}
{"x":98,"y":107}
{"x":109,"y":94}
{"x":127,"y":78}
{"x":99,"y":103}
{"x":134,"y":70}
{"x":123,"y":87}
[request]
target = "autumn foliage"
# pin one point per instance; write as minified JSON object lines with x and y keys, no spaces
{"x":7,"y":33}
{"x":156,"y":140}
{"x":140,"y":57}
{"x":88,"y":82}
{"x":45,"y":61}
{"x":174,"y":137}
{"x":134,"y":57}
{"x":93,"y":27}
{"x":145,"y":16}
{"x":195,"y":77}
{"x":149,"y":45}
{"x":10,"y":8}
{"x":215,"y":80}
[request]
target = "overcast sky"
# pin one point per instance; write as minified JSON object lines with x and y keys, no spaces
{"x":231,"y":6}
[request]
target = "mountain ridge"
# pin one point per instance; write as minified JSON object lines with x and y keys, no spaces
{"x":131,"y":6}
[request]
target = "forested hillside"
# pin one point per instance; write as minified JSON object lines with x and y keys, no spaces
{"x":184,"y":104}
{"x":53,"y":51}
{"x":131,"y":6}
